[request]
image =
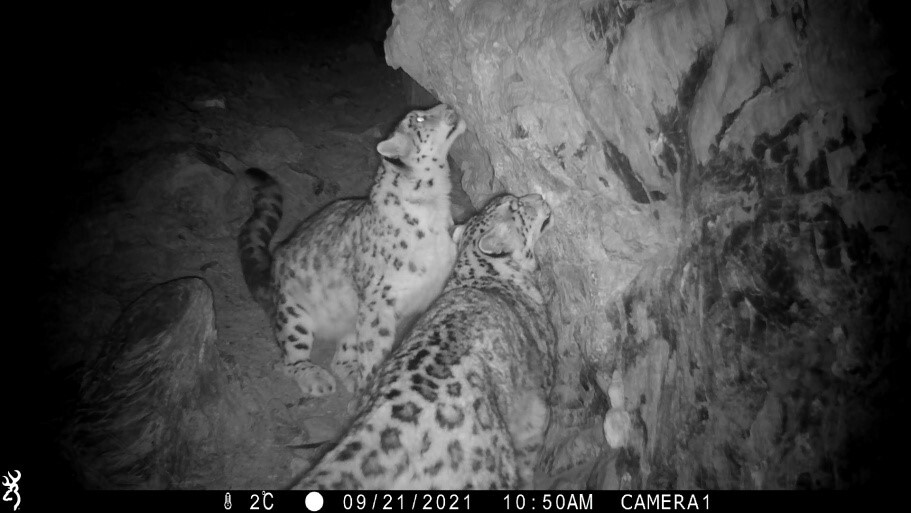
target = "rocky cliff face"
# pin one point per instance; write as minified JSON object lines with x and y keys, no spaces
{"x":731,"y":194}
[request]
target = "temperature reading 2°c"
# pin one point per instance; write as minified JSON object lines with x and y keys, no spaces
{"x":266,"y":501}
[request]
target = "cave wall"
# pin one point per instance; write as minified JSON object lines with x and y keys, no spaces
{"x":731,"y":230}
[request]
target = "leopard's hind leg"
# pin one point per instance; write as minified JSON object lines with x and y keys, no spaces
{"x":357,"y":357}
{"x":294,"y":333}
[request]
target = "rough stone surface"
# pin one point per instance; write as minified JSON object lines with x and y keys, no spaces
{"x":730,"y":188}
{"x":148,"y":411}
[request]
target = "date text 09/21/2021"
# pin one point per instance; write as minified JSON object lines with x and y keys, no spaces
{"x":517,"y":501}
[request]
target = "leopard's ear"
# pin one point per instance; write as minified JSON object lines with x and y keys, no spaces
{"x":502,"y":240}
{"x":457,"y":232}
{"x":396,"y":147}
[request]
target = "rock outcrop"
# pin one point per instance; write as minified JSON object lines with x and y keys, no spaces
{"x":732,"y":234}
{"x":151,"y":407}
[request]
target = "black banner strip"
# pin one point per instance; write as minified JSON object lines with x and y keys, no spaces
{"x":265,"y":501}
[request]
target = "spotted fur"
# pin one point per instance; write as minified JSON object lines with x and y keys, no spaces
{"x":462,"y":401}
{"x":358,"y":269}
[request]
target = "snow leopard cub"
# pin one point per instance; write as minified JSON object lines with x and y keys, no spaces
{"x":354,"y":271}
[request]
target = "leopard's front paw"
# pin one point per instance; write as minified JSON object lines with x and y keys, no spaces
{"x":313,"y":380}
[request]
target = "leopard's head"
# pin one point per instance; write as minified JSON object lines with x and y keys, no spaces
{"x":500,"y":240}
{"x":421,"y":141}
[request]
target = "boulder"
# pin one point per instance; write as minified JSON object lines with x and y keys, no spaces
{"x":150,"y":404}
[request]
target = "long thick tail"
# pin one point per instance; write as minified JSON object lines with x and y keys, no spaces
{"x":256,"y":234}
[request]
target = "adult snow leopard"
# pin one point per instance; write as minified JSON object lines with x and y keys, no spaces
{"x":462,"y":401}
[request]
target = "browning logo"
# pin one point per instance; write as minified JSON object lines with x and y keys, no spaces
{"x":11,"y":483}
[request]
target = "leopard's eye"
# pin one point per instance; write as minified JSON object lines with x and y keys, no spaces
{"x":419,"y":119}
